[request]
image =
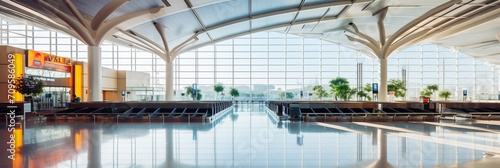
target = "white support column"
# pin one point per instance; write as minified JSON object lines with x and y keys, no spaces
{"x":382,"y":145}
{"x":95,"y":73}
{"x":94,"y":148}
{"x":382,"y":94}
{"x":169,"y":81}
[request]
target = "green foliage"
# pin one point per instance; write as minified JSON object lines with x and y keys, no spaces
{"x":444,"y":94}
{"x":433,"y":88}
{"x":368,"y":88}
{"x":319,"y":92}
{"x":363,"y":95}
{"x":234,"y":92}
{"x":398,"y":86}
{"x":426,"y":93}
{"x":286,"y":95}
{"x":341,"y":89}
{"x":198,"y":94}
{"x":29,"y":86}
{"x":219,"y":87}
{"x":344,"y":91}
{"x":335,"y":84}
{"x":429,"y":90}
{"x":338,"y":80}
{"x":189,"y":90}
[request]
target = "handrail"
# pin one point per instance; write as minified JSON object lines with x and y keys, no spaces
{"x":473,"y":113}
{"x":395,"y":114}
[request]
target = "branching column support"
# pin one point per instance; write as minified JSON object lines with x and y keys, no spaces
{"x":169,"y":55}
{"x":384,"y":47}
{"x":93,"y":32}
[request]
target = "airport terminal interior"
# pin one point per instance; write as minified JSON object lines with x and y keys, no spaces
{"x":250,"y":83}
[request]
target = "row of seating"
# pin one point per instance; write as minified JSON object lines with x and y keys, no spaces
{"x":360,"y":111}
{"x":469,"y":110}
{"x":335,"y":111}
{"x":152,"y":110}
{"x":139,"y":112}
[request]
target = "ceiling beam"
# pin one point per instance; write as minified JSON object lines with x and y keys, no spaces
{"x":161,"y":30}
{"x":480,"y":44}
{"x":146,"y":41}
{"x":250,"y":14}
{"x":274,"y":13}
{"x":317,"y":23}
{"x":105,"y":11}
{"x":176,"y":50}
{"x":363,"y":35}
{"x":74,"y":24}
{"x":399,"y":33}
{"x":375,"y":49}
{"x":345,"y":9}
{"x":270,"y":27}
{"x":296,"y":14}
{"x":367,"y":5}
{"x":36,"y":20}
{"x":284,"y":11}
{"x":188,"y":3}
{"x":141,"y":45}
{"x":380,"y":23}
{"x":450,"y":28}
{"x":469,"y":23}
{"x":106,"y":28}
{"x":77,"y":13}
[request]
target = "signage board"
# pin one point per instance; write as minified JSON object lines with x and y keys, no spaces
{"x":374,"y":87}
{"x":47,"y":61}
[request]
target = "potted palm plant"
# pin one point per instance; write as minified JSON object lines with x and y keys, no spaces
{"x":30,"y":88}
{"x":218,"y":88}
{"x":319,"y":92}
{"x":234,"y":93}
{"x":445,"y":94}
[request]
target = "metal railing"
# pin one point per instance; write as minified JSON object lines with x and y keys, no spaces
{"x":219,"y":107}
{"x":364,"y":115}
{"x":472,"y":114}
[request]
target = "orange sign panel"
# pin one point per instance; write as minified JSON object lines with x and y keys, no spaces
{"x":48,"y":61}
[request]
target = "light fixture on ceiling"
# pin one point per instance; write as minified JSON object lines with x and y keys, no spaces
{"x":405,"y":6}
{"x":166,"y":3}
{"x":28,"y":10}
{"x":132,"y":32}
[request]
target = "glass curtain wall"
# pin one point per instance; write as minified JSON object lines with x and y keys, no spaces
{"x":113,"y":56}
{"x":265,"y":65}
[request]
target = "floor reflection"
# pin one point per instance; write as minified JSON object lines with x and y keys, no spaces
{"x":249,"y":137}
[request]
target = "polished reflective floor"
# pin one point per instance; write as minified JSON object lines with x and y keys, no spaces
{"x":249,"y":137}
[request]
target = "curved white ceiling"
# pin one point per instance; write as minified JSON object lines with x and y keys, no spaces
{"x":203,"y":22}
